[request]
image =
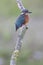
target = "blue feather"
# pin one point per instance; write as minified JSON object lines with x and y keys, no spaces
{"x":20,"y":21}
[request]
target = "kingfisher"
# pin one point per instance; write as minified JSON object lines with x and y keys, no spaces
{"x":23,"y":18}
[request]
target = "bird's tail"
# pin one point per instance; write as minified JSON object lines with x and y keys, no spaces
{"x":16,"y":27}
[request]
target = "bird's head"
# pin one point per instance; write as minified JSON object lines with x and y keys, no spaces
{"x":25,"y":11}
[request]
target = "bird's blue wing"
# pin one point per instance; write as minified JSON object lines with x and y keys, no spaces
{"x":20,"y":21}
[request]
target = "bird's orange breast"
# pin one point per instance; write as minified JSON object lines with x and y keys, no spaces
{"x":26,"y":19}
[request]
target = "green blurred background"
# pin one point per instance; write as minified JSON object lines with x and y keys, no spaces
{"x":9,"y":7}
{"x":32,"y":47}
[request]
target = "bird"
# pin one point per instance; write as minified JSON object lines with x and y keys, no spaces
{"x":22,"y":19}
